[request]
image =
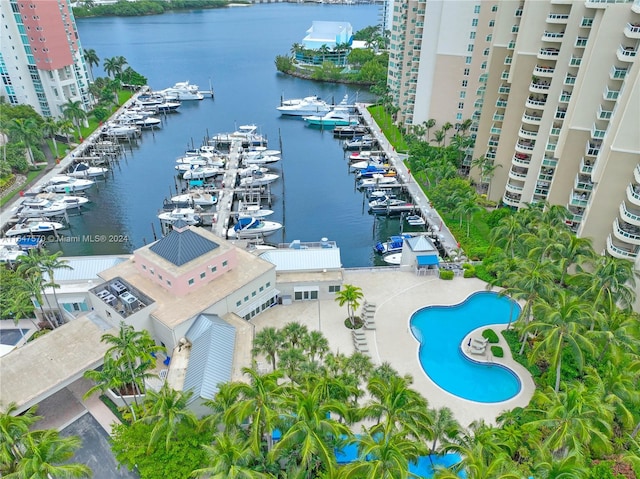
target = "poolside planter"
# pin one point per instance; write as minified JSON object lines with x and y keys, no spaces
{"x":118,"y":400}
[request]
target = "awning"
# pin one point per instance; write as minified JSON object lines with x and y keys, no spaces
{"x":427,"y":260}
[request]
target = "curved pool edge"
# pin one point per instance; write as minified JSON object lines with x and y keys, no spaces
{"x":526,"y":386}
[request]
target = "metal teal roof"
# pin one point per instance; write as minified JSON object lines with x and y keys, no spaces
{"x":210,"y":362}
{"x":182,"y":245}
{"x":422,"y":244}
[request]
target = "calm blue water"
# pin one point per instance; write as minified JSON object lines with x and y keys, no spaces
{"x":235,"y":50}
{"x":441,"y":330}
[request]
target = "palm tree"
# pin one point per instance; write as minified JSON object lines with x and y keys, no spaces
{"x":30,"y":267}
{"x":49,"y":264}
{"x":570,"y":251}
{"x":27,"y":131}
{"x":446,"y":127}
{"x":167,"y":410}
{"x":549,"y":466}
{"x":351,"y":296}
{"x":92,"y":59}
{"x":561,"y":323}
{"x":294,"y":333}
{"x":507,"y":234}
{"x":46,"y":455}
{"x":315,"y":344}
{"x":468,"y":207}
{"x":113,"y":66}
{"x":50,"y":129}
{"x":268,"y":342}
{"x":439,"y":136}
{"x":609,"y":279}
{"x":74,"y":111}
{"x":109,"y":376}
{"x":256,"y":401}
{"x":444,"y":427}
{"x":13,"y":429}
{"x":430,"y":123}
{"x":230,"y":457}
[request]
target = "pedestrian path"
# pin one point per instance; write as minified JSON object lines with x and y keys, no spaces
{"x":418,"y":196}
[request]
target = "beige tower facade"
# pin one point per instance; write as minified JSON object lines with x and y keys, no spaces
{"x":553,"y":87}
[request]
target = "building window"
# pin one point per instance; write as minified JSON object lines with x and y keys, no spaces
{"x":489,"y":37}
{"x":168,"y":283}
{"x":191,"y":281}
{"x":466,"y":72}
{"x":465,"y":83}
{"x":463,"y":94}
{"x":202,"y":275}
{"x":160,"y":277}
{"x":225,"y":263}
{"x":261,"y":289}
{"x":238,"y":303}
{"x":494,"y":8}
{"x":246,"y":298}
{"x":334,"y":288}
{"x":461,"y":105}
{"x":470,"y":47}
{"x":268,"y":285}
{"x":253,"y":294}
{"x":492,"y":23}
{"x":483,"y":65}
{"x":468,"y":60}
{"x":458,"y":116}
{"x":472,"y":35}
{"x":144,"y":266}
{"x":474,"y":22}
{"x":476,"y":9}
{"x":485,"y":52}
{"x":213,"y":268}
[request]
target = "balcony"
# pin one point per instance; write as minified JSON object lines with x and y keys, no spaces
{"x":618,"y":73}
{"x":527,"y":133}
{"x":579,"y":200}
{"x":543,"y":71}
{"x":575,"y":61}
{"x":586,"y":22}
{"x":558,"y":18}
{"x":519,"y":175}
{"x":565,"y":96}
{"x":495,"y":130}
{"x":550,"y":147}
{"x":504,"y":89}
{"x":491,"y":154}
{"x":525,"y":146}
{"x":626,"y":54}
{"x":511,"y":200}
{"x":501,"y":103}
{"x":508,"y":60}
{"x":548,"y":53}
{"x":539,"y":86}
{"x":535,"y":103}
{"x":630,"y":216}
{"x":579,"y":185}
{"x":493,"y":141}
{"x":518,"y":12}
{"x":597,"y":133}
{"x":610,"y":94}
{"x":498,"y":117}
{"x":602,"y":3}
{"x":550,"y":162}
{"x":504,"y":75}
{"x":517,"y":189}
{"x":570,"y":79}
{"x":636,"y":6}
{"x":511,"y":45}
{"x":621,"y":253}
{"x":555,"y":130}
{"x":521,"y":159}
{"x":593,"y":148}
{"x":531,"y":118}
{"x":626,"y":232}
{"x":560,"y":113}
{"x":581,"y":42}
{"x":552,"y":36}
{"x":586,"y":166}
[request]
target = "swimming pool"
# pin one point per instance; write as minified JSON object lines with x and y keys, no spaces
{"x":441,"y":330}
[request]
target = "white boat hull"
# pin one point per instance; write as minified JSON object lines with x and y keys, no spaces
{"x":34,"y":228}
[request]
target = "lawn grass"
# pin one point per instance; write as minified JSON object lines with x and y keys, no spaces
{"x":391,"y":132}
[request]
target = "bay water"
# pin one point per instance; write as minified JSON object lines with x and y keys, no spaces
{"x":234,"y":51}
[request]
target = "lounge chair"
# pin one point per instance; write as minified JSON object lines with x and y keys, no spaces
{"x":362,"y":348}
{"x":479,"y":342}
{"x":370,"y":325}
{"x":477,"y":350}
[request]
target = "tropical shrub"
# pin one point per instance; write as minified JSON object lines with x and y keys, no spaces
{"x":497,"y":351}
{"x":469,"y":273}
{"x":491,"y":335}
{"x":446,"y":274}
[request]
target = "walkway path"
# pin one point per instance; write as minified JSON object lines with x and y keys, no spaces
{"x":449,"y":242}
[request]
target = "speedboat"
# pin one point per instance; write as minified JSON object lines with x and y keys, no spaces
{"x":309,"y":105}
{"x":201,"y":172}
{"x":67,"y":184}
{"x":68,"y":200}
{"x":182,"y":91}
{"x":393,"y":258}
{"x":258,"y":179}
{"x":34,"y":227}
{"x":255,"y":211}
{"x":260,"y":159}
{"x":121,"y":130}
{"x":196,"y":197}
{"x":388,"y":206}
{"x":188,"y":215}
{"x":252,"y":170}
{"x":415,"y":220}
{"x":372,"y":170}
{"x":379,"y":180}
{"x":185,"y":163}
{"x":337,"y":117}
{"x":84,"y":170}
{"x":365,"y":142}
{"x":250,"y":227}
{"x":246,"y":134}
{"x":392,"y":245}
{"x":40,"y":207}
{"x":350,"y":131}
{"x":261,"y":150}
{"x":168,"y":106}
{"x":148,"y":122}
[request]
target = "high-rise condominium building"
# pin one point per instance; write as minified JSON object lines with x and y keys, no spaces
{"x":557,"y":102}
{"x":41,"y":60}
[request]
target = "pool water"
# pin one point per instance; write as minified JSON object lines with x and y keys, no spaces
{"x":441,"y":330}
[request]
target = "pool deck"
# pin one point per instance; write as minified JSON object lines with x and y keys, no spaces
{"x":397,"y":295}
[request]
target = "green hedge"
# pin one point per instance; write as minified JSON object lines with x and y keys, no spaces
{"x":491,"y":335}
{"x":446,"y":274}
{"x":497,"y":352}
{"x":469,"y":272}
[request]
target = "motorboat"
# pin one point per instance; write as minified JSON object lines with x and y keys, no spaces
{"x":260,"y":160}
{"x":69,"y":201}
{"x":121,"y":130}
{"x":206,"y":151}
{"x":201,"y":172}
{"x":182,"y":91}
{"x":250,"y":227}
{"x":415,"y":220}
{"x":336,"y":117}
{"x":252,"y":170}
{"x":350,"y":131}
{"x":372,"y":170}
{"x":148,"y":122}
{"x":366,"y":142}
{"x":185,"y":163}
{"x":367,"y":155}
{"x":84,"y":170}
{"x":67,"y":184}
{"x":261,"y":150}
{"x":34,"y":226}
{"x":10,"y":254}
{"x":247,"y":135}
{"x":379,"y":180}
{"x":188,"y":215}
{"x":150,"y":100}
{"x":168,"y":106}
{"x":309,"y":105}
{"x":379,"y":162}
{"x":393,"y":258}
{"x":196,"y":197}
{"x":258,"y":179}
{"x":255,"y":211}
{"x":392,"y":245}
{"x":389,"y":206}
{"x":40,"y":207}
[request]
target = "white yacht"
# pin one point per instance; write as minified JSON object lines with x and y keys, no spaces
{"x":67,"y":184}
{"x":182,"y":91}
{"x":309,"y":105}
{"x":34,"y":226}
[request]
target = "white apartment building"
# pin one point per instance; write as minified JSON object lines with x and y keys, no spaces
{"x":556,"y":96}
{"x":41,"y":60}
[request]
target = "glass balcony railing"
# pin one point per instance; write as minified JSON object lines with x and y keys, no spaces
{"x":570,"y":79}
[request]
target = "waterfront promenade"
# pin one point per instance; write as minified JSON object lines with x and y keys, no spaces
{"x":418,"y":196}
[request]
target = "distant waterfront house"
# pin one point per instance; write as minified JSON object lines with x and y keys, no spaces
{"x":329,"y":41}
